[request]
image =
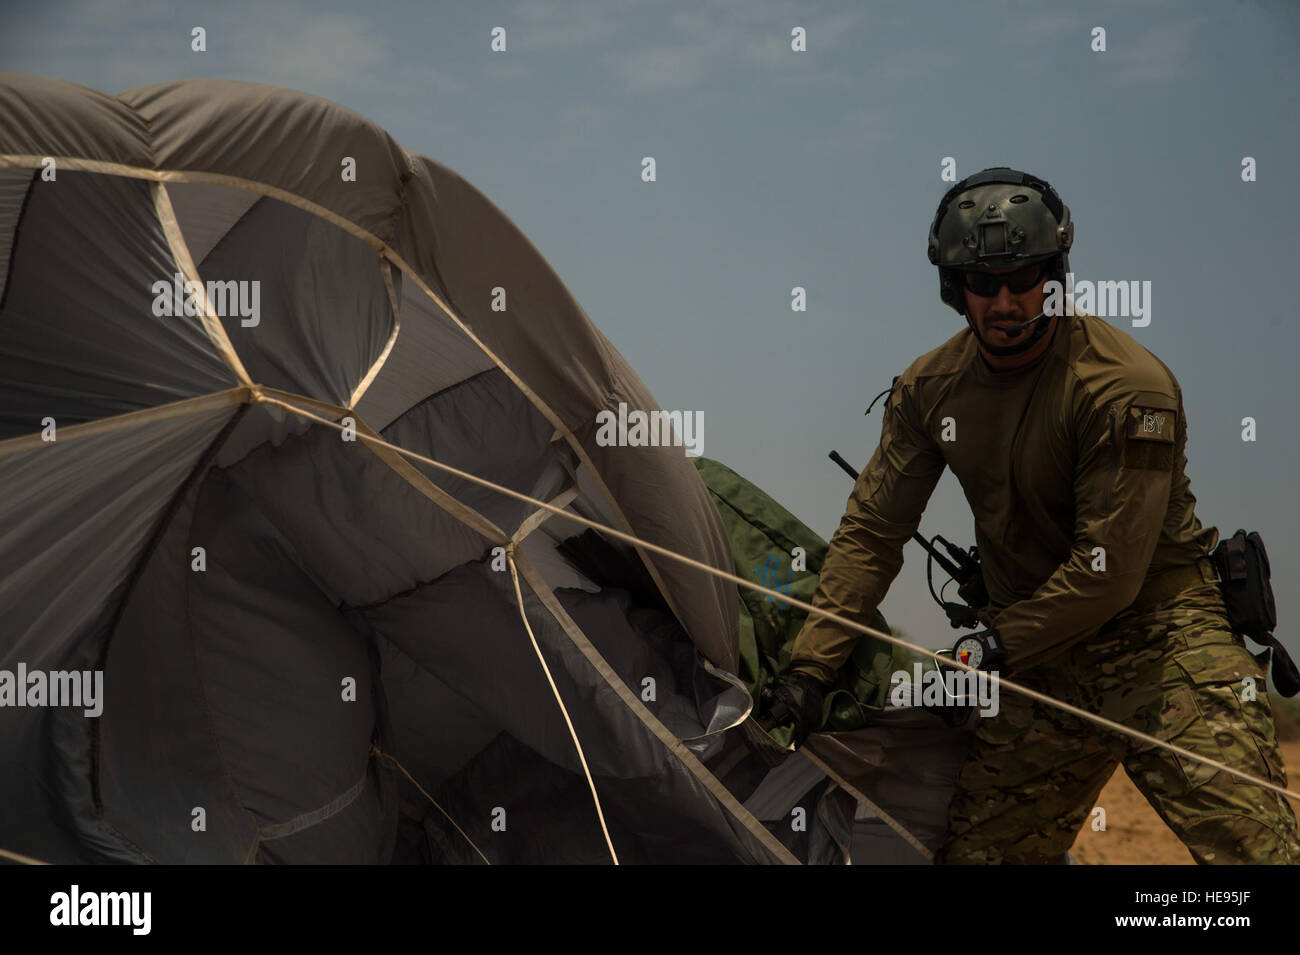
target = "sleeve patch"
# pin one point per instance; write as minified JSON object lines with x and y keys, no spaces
{"x":1154,"y":425}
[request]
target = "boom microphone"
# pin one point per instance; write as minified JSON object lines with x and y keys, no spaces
{"x":1013,"y":331}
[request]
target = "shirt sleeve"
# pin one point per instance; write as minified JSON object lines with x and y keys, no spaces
{"x":1127,"y":450}
{"x":866,"y":552}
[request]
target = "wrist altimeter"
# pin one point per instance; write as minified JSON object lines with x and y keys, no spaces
{"x":982,"y":650}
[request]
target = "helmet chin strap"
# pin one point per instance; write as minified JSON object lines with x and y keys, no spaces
{"x":1040,"y":323}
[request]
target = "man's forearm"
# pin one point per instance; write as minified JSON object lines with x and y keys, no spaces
{"x":1072,"y":605}
{"x":866,"y":552}
{"x":860,"y":565}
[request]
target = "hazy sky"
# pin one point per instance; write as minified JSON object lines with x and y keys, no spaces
{"x":822,"y":169}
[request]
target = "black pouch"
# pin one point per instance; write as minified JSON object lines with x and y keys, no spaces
{"x":1244,"y":575}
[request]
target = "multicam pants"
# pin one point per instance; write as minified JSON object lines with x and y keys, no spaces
{"x":1175,"y":672}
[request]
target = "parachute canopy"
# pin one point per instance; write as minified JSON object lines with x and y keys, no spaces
{"x":288,"y":642}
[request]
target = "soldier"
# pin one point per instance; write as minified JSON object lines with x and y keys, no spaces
{"x":1068,"y":439}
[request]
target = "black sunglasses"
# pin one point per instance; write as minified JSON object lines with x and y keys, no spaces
{"x":986,"y":284}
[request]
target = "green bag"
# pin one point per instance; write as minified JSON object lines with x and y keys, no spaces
{"x":763,"y":537}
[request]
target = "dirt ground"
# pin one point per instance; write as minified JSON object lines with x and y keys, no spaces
{"x":1135,"y":835}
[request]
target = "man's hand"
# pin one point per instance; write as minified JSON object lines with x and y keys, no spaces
{"x":796,"y":698}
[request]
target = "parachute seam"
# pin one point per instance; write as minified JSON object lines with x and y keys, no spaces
{"x":393,"y":759}
{"x":386,"y":269}
{"x":129,"y":419}
{"x":314,"y":817}
{"x":147,"y":552}
{"x":13,"y":239}
{"x":210,"y":720}
{"x":440,"y":392}
{"x":180,"y":250}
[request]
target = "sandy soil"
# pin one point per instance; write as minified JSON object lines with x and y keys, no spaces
{"x":1135,"y":834}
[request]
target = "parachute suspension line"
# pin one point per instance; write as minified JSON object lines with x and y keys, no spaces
{"x":19,"y":858}
{"x":795,"y":602}
{"x":392,"y":759}
{"x":591,"y":783}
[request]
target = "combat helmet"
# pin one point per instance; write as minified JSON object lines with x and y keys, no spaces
{"x":999,"y":218}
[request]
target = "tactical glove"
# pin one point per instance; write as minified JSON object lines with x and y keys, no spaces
{"x":796,"y":698}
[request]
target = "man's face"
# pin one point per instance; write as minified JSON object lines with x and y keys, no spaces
{"x":1005,"y":307}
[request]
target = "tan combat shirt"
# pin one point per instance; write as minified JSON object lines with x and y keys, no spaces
{"x":1082,"y":449}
